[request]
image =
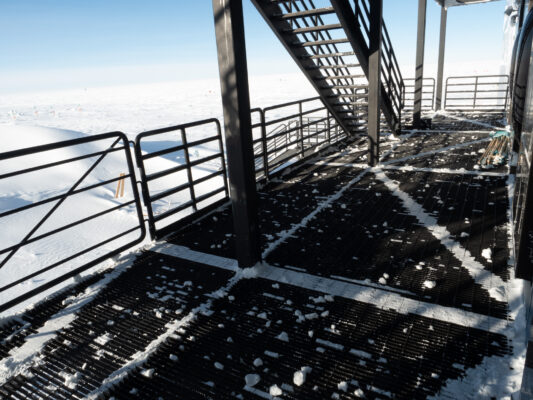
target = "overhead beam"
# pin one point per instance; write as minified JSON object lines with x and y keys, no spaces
{"x":442,"y":46}
{"x":374,"y":80}
{"x":419,"y":71}
{"x":229,"y":30}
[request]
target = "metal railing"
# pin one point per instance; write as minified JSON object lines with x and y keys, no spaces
{"x":181,"y":179}
{"x":391,"y":76}
{"x":75,"y":219}
{"x":291,"y":130}
{"x":170,"y":193}
{"x":428,"y":94}
{"x":471,"y":93}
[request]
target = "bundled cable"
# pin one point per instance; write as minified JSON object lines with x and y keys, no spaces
{"x":497,"y":152}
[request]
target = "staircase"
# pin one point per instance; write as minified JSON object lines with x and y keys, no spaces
{"x":328,"y":39}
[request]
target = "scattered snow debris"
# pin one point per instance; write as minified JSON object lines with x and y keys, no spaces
{"x":229,"y":340}
{"x":329,"y":298}
{"x":275,"y":390}
{"x":258,"y":362}
{"x":371,"y":341}
{"x":359,"y":393}
{"x":148,"y":373}
{"x":287,"y":387}
{"x":324,"y":313}
{"x":117,"y":308}
{"x":343,"y":206}
{"x":311,"y":316}
{"x":430,"y":284}
{"x":133,"y":391}
{"x":386,"y":276}
{"x":332,"y":345}
{"x":310,"y":333}
{"x":71,"y":380}
{"x":464,"y":234}
{"x":209,"y":383}
{"x":221,"y":326}
{"x":383,"y":281}
{"x":275,"y":285}
{"x":487,"y":254}
{"x":173,"y":357}
{"x":102,"y":340}
{"x":219,"y":366}
{"x":434,"y":375}
{"x":252,"y":379}
{"x":110,"y":323}
{"x":335,"y":396}
{"x":271,"y":354}
{"x":342,"y":386}
{"x":158,"y":314}
{"x":299,"y":378}
{"x":262,"y":315}
{"x":231,"y":298}
{"x":321,"y":349}
{"x":283,"y":336}
{"x":498,"y":293}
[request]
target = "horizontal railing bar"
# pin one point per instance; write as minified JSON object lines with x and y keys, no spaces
{"x":179,"y":147}
{"x":58,"y":197}
{"x":160,"y":174}
{"x":56,"y":163}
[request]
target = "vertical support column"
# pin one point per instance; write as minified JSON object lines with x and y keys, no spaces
{"x":374,"y":80}
{"x":442,"y":46}
{"x":229,"y":29}
{"x":419,"y":72}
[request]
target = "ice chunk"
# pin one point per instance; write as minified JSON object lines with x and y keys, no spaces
{"x":275,"y":390}
{"x":148,"y":373}
{"x":173,"y":357}
{"x":252,"y":379}
{"x":258,"y":362}
{"x":430,"y":284}
{"x":219,"y":365}
{"x":283,"y":336}
{"x":299,"y":378}
{"x":342,"y":386}
{"x":487,"y":254}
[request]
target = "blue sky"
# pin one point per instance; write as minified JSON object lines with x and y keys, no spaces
{"x":56,"y":44}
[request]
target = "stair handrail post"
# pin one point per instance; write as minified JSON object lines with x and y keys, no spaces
{"x":233,"y":70}
{"x":374,"y":80}
{"x":419,"y":70}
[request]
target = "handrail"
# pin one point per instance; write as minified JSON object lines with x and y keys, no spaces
{"x":476,"y":92}
{"x":29,"y":238}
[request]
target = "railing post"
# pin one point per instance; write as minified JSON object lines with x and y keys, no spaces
{"x":189,"y":171}
{"x":229,"y":30}
{"x":300,"y":109}
{"x":419,"y":72}
{"x":264,"y":142}
{"x":374,"y":80}
{"x":328,"y":125}
{"x":442,"y":45}
{"x":475,"y":93}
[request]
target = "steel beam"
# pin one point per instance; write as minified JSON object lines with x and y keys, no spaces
{"x":229,"y":30}
{"x":419,"y":71}
{"x":374,"y":80}
{"x":442,"y":46}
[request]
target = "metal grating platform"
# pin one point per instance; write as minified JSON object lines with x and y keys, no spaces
{"x":374,"y":286}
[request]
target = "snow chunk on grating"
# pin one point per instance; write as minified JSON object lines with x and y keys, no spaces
{"x":430,"y":284}
{"x":275,"y":390}
{"x":148,"y":373}
{"x":103,"y":339}
{"x":283,"y":336}
{"x":219,"y":366}
{"x":252,"y":379}
{"x":258,"y":362}
{"x":487,"y":254}
{"x":71,"y":381}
